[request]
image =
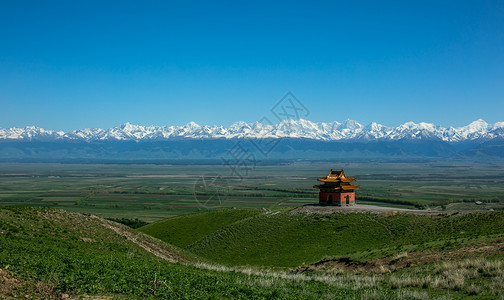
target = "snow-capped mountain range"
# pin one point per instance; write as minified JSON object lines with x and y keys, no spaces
{"x":349,"y":130}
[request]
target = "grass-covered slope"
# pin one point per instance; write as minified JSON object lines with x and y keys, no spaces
{"x":187,"y":229}
{"x":283,"y":239}
{"x":45,"y":253}
{"x":74,"y":253}
{"x":48,"y":252}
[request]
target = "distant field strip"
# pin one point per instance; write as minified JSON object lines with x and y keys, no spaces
{"x":158,"y":191}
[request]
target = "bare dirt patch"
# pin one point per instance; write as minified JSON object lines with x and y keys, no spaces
{"x":7,"y":283}
{"x":14,"y":288}
{"x":405,"y":260}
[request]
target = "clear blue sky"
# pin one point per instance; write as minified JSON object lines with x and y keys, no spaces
{"x":75,"y":64}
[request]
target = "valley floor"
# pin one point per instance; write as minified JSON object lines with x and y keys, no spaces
{"x":154,"y":192}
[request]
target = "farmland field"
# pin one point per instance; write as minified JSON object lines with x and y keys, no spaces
{"x":153,"y":192}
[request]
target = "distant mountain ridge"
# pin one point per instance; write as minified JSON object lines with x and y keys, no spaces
{"x":290,"y":139}
{"x":348,"y":130}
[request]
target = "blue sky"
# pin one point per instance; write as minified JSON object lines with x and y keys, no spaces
{"x":66,"y":65}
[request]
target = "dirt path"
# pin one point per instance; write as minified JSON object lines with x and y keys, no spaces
{"x":382,"y":225}
{"x":361,"y":208}
{"x":143,"y":241}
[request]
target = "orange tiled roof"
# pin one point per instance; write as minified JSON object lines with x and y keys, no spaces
{"x":336,"y":176}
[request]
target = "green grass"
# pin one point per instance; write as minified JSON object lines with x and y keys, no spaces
{"x":281,"y":239}
{"x":70,"y":253}
{"x":187,"y":229}
{"x":50,"y":252}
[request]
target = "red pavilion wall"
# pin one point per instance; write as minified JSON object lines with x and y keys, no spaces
{"x":337,"y":198}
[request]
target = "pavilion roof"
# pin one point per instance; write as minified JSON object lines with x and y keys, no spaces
{"x":336,"y":176}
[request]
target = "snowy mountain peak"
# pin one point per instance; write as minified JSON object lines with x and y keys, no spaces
{"x":477,"y":125}
{"x":498,"y":125}
{"x":351,"y":124}
{"x":373,"y":126}
{"x":348,"y":130}
{"x":192,"y":125}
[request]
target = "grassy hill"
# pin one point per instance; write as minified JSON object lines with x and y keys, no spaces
{"x":284,"y":239}
{"x":186,"y":229}
{"x":47,"y":252}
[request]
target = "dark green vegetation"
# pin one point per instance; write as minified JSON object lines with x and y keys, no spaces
{"x":153,"y":192}
{"x":133,"y":223}
{"x":284,"y":239}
